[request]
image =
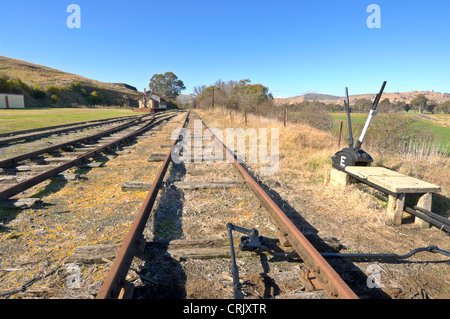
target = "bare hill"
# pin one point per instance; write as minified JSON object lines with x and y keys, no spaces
{"x":393,"y":97}
{"x":34,"y":74}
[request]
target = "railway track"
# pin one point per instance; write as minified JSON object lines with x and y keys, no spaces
{"x":32,"y":240}
{"x":180,"y":238}
{"x":179,"y":224}
{"x":175,"y":240}
{"x":27,"y":170}
{"x":32,"y":134}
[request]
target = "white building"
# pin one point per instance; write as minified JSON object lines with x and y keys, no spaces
{"x":11,"y":101}
{"x":152,"y":101}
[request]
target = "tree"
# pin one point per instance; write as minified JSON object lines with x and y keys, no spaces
{"x":198,"y":91}
{"x":53,"y":90}
{"x":38,"y":93}
{"x":167,"y":85}
{"x":385,"y":106}
{"x":419,"y":103}
{"x":362,"y":105}
{"x":250,"y":95}
{"x":206,"y":95}
{"x":234,"y":95}
{"x":431,"y":106}
{"x":443,"y":108}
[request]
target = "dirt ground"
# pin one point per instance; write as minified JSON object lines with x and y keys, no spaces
{"x":358,"y":222}
{"x":35,"y":242}
{"x":201,"y":215}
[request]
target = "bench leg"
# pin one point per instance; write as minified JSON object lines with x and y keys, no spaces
{"x":424,"y":202}
{"x":395,"y":208}
{"x":338,"y":178}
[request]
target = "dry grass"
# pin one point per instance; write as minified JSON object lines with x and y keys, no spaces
{"x":34,"y":74}
{"x":358,"y":220}
{"x":304,"y":151}
{"x":307,"y":150}
{"x":305,"y":157}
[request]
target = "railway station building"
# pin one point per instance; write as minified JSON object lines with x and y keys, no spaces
{"x":151,"y":102}
{"x":11,"y":101}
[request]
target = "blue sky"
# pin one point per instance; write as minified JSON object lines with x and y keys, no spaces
{"x":293,"y":47}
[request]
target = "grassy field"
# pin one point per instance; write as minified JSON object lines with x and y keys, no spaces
{"x":435,"y":127}
{"x":356,"y":117}
{"x":24,"y":119}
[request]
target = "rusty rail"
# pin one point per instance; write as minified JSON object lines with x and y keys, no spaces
{"x":16,"y":159}
{"x":20,"y":187}
{"x":115,"y":279}
{"x":328,"y":278}
{"x":31,"y":134}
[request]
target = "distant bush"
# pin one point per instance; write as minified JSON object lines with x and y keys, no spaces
{"x":72,"y":94}
{"x":387,"y":133}
{"x":95,"y":98}
{"x":54,"y":99}
{"x":38,"y":93}
{"x":15,"y":86}
{"x":443,"y":108}
{"x":53,"y":90}
{"x":314,"y":114}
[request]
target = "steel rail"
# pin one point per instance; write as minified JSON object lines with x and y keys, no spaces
{"x":427,"y":218}
{"x":387,"y":257}
{"x":13,"y":160}
{"x":40,"y":129}
{"x":327,"y":276}
{"x":115,"y":279}
{"x":20,"y":187}
{"x":73,"y":127}
{"x":434,"y":219}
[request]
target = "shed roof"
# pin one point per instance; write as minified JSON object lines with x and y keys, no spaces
{"x":149,"y":94}
{"x":11,"y":94}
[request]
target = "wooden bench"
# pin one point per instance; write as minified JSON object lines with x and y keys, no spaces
{"x":398,"y":186}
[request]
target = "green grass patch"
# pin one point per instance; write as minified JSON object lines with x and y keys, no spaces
{"x":356,"y":117}
{"x":26,"y":119}
{"x":429,"y":130}
{"x":432,"y":127}
{"x":423,"y":127}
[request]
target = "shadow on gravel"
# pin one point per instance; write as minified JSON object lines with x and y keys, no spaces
{"x":353,"y":276}
{"x":166,"y":278}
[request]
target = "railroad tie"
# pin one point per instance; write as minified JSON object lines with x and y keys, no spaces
{"x":136,"y":186}
{"x":193,"y":185}
{"x":157,"y":157}
{"x":22,"y":203}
